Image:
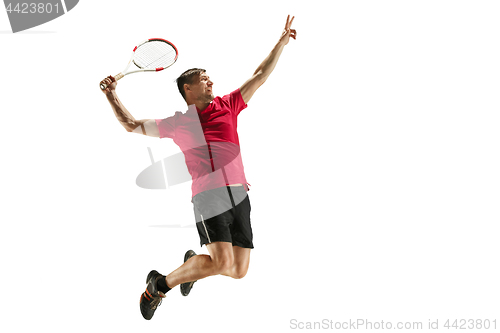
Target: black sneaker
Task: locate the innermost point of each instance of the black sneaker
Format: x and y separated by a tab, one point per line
186	287
152	297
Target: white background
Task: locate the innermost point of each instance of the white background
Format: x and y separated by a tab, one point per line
372	150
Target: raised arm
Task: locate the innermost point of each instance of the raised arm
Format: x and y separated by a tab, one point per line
145	126
267	66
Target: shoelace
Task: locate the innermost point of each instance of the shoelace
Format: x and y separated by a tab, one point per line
155	300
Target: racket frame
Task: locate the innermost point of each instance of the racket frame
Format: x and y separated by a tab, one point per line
124	72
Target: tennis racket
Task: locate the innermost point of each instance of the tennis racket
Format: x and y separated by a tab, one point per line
152	55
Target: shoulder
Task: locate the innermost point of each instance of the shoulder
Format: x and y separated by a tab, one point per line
232	95
232	98
170	118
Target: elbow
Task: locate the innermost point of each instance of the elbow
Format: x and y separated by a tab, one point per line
129	126
260	77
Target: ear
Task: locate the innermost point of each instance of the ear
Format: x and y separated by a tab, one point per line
186	87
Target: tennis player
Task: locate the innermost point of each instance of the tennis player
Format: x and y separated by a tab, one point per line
207	135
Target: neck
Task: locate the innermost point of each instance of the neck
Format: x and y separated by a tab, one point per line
200	104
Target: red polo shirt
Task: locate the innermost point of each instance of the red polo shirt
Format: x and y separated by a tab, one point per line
209	141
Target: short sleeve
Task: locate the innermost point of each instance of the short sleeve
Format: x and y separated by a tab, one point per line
166	127
236	102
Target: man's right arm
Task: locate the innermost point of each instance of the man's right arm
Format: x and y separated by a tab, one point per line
144	126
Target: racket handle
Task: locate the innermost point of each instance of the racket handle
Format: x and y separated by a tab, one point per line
117	77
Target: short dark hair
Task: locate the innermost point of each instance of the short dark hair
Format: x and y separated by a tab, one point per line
188	77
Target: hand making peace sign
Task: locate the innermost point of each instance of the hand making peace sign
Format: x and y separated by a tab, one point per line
288	32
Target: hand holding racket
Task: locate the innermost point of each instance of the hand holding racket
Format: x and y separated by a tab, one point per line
108	83
152	55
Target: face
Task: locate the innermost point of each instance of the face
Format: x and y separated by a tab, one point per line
203	88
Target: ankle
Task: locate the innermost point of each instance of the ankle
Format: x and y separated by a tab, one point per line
162	285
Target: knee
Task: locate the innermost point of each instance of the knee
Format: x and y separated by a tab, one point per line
223	264
240	272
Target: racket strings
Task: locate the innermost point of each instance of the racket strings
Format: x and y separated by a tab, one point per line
154	54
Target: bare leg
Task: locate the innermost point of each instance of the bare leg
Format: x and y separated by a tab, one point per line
220	260
240	263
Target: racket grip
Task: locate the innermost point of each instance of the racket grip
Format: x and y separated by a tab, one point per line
117	77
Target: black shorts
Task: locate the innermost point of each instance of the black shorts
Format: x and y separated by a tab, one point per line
223	215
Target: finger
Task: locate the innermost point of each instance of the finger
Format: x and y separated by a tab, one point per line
286	24
290	24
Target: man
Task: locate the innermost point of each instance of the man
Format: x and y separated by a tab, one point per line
207	135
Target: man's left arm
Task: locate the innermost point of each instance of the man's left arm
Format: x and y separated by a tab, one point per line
267	66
